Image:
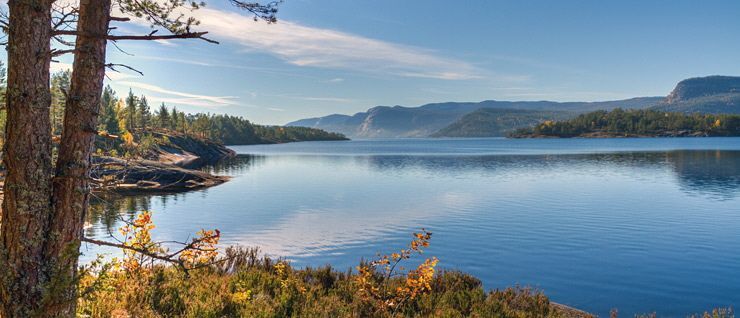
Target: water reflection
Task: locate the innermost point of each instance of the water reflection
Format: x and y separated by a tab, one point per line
714	174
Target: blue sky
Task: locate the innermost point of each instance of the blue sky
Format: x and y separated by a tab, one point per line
340	56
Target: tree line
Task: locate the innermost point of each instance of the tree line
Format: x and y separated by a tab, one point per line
638	123
133	114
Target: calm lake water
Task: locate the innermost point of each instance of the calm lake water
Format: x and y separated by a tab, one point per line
639	224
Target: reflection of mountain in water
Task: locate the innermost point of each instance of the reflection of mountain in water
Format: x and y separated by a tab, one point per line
715	173
712	173
704	172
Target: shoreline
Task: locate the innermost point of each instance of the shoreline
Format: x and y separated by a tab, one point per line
611	135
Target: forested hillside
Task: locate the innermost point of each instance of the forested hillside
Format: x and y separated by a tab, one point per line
492	122
636	123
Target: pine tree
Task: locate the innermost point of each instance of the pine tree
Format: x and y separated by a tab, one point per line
163	117
59	89
108	113
131	106
143	115
174	119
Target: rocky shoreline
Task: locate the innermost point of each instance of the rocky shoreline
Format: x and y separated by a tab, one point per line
140	176
171	166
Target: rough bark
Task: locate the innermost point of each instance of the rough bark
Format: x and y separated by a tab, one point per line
27	158
71	182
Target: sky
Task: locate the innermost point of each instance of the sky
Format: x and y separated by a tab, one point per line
340	56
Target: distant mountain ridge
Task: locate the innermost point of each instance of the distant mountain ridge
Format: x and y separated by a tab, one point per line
706	95
425	120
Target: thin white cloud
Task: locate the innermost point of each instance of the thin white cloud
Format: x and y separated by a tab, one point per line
309	46
326	99
224	65
336	80
182	97
312	98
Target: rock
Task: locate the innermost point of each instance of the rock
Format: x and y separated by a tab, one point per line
120	175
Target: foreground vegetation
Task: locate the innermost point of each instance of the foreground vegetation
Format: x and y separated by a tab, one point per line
195	281
241	283
251	286
636	123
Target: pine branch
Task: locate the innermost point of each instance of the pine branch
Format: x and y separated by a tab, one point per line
148	37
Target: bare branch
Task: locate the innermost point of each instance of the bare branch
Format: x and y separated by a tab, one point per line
149	37
120	49
120	19
56	52
131	248
113	66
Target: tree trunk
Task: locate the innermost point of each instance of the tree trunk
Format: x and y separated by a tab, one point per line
27	203
71	186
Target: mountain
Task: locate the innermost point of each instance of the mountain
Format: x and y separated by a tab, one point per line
422	121
492	122
709	95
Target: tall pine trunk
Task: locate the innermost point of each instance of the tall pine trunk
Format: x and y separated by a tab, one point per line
43	217
27	201
71	182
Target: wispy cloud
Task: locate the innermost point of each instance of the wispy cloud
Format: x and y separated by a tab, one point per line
313	98
224	65
336	80
326	99
182	97
317	47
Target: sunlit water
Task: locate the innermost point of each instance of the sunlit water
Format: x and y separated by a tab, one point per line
638	224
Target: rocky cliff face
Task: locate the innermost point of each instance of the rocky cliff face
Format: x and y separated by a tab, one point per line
707	95
699	87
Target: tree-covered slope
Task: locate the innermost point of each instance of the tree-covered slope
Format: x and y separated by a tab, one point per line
636	123
492	122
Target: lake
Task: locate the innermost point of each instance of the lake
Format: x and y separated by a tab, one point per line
638	224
